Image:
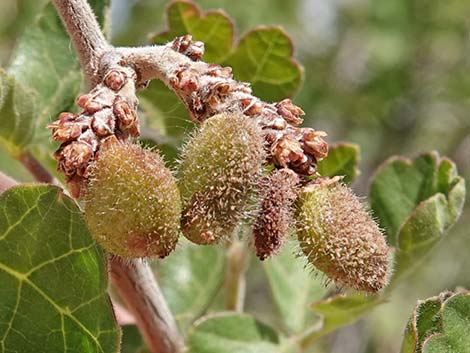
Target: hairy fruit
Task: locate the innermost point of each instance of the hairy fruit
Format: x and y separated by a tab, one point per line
132	204
219	168
340	238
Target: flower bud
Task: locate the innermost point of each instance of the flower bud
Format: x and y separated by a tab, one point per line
132	204
340	238
220	166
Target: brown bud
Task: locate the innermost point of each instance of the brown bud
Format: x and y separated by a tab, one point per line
188	47
251	106
102	122
115	79
278	192
63	132
290	112
127	119
314	144
75	157
286	151
82	100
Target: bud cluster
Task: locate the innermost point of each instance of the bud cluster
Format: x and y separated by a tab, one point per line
209	89
107	110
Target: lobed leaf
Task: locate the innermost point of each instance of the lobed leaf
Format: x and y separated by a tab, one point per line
263	57
417	203
214	28
342	159
439	325
190	278
54	279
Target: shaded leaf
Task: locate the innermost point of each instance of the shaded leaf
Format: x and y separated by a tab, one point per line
45	62
264	58
190	278
342	160
439	325
17	113
132	341
341	310
54	279
214	28
454	336
293	287
416	202
232	333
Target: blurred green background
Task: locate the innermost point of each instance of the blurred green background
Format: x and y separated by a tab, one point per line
391	76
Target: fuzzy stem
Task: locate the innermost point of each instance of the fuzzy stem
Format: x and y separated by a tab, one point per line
36	169
6	182
137	286
235	283
84	30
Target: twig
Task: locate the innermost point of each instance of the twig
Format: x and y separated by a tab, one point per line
136	285
6	182
37	170
235	283
84	30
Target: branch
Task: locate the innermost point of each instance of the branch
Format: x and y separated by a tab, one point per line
6	182
136	285
84	30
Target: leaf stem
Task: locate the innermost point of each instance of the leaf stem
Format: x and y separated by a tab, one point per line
137	286
235	282
37	170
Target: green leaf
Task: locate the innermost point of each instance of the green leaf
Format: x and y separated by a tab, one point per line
214	28
232	333
54	279
341	310
342	160
44	61
264	58
454	336
417	203
132	341
292	287
439	325
190	278
17	112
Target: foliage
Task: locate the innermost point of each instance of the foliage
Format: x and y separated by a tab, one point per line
394	99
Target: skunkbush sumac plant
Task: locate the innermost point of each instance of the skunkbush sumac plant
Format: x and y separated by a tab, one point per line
246	181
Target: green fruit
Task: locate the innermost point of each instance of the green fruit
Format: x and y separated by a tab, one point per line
220	166
132	204
340	238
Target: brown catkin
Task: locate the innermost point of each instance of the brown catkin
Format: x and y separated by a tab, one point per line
132	203
340	238
278	192
220	166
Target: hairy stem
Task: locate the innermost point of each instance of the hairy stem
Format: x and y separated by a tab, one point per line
6	182
84	30
36	169
235	283
137	286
